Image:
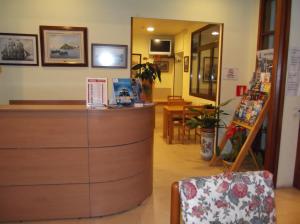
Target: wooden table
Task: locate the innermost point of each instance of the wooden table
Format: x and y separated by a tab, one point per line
169	113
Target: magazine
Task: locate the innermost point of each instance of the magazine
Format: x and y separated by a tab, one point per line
126	91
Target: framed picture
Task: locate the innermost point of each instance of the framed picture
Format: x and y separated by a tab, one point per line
18	49
135	59
210	71
186	63
163	65
64	46
109	55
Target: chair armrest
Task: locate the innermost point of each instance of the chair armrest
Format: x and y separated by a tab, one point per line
175	204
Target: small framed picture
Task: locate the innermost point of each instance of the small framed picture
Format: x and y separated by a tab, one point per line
162	65
18	49
109	56
64	46
186	63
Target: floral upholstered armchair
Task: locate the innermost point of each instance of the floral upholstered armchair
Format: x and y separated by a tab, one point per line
245	197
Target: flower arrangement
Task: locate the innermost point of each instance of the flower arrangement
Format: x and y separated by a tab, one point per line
237	136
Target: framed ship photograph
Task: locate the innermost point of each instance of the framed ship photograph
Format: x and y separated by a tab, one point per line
64	46
18	49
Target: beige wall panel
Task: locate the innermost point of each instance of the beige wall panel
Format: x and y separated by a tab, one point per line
43	166
113	163
44	202
116	196
107	128
43	129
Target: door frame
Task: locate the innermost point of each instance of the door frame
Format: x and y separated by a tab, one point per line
281	44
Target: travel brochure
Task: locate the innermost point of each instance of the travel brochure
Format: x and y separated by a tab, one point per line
96	95
252	102
250	106
126	92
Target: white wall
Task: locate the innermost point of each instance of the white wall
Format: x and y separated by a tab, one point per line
290	122
109	22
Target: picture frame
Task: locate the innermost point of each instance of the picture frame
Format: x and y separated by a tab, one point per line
207	67
19	49
109	56
186	64
162	65
64	46
135	59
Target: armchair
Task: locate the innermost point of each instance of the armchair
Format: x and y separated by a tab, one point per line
245	197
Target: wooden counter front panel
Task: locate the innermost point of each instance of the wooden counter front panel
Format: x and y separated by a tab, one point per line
38	128
116	196
119	162
44	202
108	128
43	166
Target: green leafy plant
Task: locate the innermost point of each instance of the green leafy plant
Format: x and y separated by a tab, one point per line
237	136
148	71
209	118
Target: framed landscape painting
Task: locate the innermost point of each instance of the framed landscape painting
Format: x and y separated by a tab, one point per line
64	46
162	65
18	49
109	55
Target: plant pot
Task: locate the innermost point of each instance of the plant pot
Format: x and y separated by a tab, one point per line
146	95
207	143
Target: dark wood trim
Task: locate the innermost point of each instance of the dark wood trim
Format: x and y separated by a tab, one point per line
66	29
297	165
281	43
175	204
47	102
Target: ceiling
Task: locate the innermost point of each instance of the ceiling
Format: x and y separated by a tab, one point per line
162	26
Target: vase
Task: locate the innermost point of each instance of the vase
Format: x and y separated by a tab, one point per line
207	143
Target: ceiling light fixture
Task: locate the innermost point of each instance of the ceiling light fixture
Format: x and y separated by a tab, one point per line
150	29
215	33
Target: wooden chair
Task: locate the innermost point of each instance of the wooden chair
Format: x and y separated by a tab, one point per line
175	102
174	97
188	114
191	201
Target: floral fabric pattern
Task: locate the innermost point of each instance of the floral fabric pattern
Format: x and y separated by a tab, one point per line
243	198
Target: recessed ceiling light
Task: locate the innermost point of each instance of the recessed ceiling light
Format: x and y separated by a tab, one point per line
215	33
150	29
156	40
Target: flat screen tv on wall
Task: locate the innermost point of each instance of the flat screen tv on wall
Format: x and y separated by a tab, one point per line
160	46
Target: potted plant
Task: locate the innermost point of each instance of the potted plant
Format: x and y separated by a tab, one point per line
208	120
147	73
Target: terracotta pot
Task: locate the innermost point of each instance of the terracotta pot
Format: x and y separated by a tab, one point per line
147	91
207	143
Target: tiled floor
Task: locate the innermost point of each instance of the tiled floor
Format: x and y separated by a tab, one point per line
173	162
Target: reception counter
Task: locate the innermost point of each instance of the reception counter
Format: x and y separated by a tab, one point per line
61	161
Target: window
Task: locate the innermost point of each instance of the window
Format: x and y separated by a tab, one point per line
204	62
268	24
